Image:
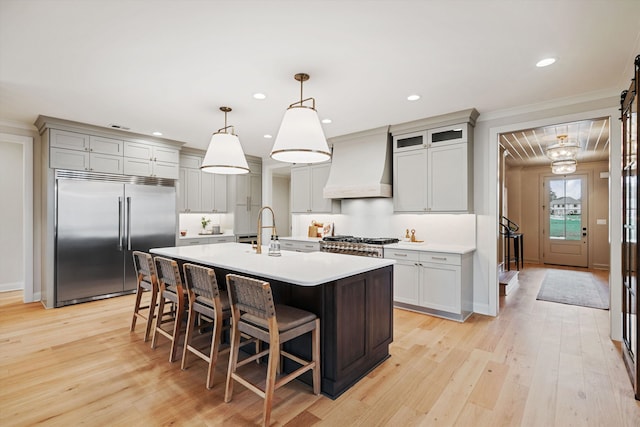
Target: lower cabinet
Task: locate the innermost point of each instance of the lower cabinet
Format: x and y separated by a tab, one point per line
435	283
299	245
206	240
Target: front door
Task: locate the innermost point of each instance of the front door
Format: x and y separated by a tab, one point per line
565	220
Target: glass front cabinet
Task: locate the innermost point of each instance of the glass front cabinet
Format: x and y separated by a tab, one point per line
630	297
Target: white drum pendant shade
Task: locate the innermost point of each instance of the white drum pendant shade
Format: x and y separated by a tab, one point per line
300	138
225	155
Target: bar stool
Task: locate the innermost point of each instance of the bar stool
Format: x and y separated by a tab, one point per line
170	289
147	281
254	313
207	300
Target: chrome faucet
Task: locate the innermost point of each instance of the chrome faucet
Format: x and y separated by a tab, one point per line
258	246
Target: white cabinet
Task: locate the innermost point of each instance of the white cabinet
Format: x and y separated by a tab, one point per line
202	240
433	170
146	159
248	199
213	192
76	151
295	245
200	191
432	282
307	184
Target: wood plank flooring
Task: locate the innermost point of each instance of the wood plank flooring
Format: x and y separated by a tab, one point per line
538	364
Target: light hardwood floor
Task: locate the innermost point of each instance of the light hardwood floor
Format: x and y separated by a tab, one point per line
537	364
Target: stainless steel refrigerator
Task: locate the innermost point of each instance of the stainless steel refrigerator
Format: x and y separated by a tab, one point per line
100	220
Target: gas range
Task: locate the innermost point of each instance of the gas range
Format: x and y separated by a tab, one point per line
350	245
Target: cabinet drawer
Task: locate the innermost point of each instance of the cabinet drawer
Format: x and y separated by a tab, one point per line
402	255
61	158
448	134
440	258
99	144
409	141
224	239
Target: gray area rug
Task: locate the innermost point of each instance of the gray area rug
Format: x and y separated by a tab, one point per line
575	288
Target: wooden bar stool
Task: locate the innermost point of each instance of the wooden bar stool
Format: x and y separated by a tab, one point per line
254	313
147	282
170	289
207	300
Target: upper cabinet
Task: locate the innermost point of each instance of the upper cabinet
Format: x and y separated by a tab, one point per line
248	198
200	191
307	184
77	146
433	166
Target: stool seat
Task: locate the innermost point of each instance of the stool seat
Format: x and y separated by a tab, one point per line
287	317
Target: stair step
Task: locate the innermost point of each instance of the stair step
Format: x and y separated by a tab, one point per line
508	282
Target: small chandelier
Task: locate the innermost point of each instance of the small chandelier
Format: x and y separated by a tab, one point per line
224	155
563	167
300	138
563	149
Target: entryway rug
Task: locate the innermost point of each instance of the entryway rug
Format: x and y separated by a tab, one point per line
575	288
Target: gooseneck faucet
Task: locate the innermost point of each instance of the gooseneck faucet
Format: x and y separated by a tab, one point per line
260	227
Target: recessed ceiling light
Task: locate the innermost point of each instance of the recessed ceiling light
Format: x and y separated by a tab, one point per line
413	97
545	62
156	133
259	95
267	136
326	121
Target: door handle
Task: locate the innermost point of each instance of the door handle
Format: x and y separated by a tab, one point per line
120	224
128	223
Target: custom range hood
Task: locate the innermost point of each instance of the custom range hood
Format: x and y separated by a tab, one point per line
360	165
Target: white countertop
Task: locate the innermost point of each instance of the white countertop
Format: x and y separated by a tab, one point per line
299	268
200	236
431	247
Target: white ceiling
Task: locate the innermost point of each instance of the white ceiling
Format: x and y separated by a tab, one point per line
169	65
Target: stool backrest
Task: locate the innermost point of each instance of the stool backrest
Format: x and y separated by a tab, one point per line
201	281
251	296
168	273
143	264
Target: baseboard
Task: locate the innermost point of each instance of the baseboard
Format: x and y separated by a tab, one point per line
15	286
601	266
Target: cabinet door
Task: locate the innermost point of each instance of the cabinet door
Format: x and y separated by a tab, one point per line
138	150
319	177
106	163
182	191
440	287
447	135
69	140
410	181
192	190
166	154
213	192
300	190
406	282
99	144
138	167
61	158
447	178
166	169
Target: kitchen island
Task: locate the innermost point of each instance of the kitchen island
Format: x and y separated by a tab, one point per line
352	296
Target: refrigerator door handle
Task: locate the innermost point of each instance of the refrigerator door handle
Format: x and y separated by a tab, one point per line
120	224
129	223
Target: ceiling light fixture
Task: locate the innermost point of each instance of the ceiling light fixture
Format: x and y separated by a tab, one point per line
156	133
563	167
300	138
413	97
267	136
563	149
326	121
224	155
545	62
259	95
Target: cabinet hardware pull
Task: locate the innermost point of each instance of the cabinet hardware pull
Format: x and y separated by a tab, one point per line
400	254
441	258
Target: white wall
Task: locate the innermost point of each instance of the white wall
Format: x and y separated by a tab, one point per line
11	216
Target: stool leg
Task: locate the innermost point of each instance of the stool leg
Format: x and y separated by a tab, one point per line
215	345
274	359
233	357
176	329
315	349
136	307
191	320
158	320
152	311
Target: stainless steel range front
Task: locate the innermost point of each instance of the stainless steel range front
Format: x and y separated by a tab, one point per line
361	246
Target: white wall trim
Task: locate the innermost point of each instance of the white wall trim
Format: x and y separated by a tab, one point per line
614	202
27	206
15	286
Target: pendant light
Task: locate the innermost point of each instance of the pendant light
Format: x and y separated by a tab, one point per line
563	149
563	167
224	155
300	138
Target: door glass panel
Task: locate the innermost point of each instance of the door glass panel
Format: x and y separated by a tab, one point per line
565	213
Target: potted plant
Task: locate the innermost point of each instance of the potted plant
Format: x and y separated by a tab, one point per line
204	221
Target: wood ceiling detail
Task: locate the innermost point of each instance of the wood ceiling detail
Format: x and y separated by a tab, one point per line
526	147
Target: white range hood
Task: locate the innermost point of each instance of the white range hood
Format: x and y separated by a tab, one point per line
360	165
